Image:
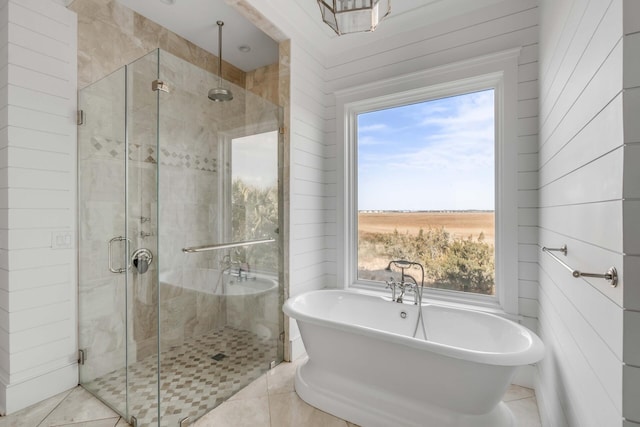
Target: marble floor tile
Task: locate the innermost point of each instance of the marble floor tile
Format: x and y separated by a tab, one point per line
249	412
525	411
288	410
34	414
515	392
280	378
79	406
258	388
108	422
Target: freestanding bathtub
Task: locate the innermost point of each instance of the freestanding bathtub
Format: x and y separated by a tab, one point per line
365	366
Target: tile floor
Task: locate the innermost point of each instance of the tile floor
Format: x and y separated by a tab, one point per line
269	401
192	381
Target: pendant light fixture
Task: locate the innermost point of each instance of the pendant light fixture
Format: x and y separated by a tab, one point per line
353	16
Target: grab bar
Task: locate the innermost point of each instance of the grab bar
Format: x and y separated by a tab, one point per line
611	275
215	247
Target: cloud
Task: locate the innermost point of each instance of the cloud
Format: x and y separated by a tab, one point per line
369	140
442	157
255	159
376	127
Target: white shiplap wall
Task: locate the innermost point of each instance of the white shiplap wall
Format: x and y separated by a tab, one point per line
631	212
311	184
316	76
37	199
506	25
586	198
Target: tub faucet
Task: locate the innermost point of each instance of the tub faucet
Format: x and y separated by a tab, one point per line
403	285
242	271
230	266
407	287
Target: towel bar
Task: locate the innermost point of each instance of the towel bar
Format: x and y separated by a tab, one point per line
611	274
214	247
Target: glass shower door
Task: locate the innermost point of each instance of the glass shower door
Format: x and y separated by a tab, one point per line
102	264
117	204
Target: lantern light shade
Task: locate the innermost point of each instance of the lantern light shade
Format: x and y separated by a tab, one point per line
353	16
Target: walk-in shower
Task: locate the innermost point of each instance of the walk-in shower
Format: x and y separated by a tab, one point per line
167	333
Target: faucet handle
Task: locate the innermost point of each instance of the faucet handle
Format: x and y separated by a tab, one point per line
415	289
392	284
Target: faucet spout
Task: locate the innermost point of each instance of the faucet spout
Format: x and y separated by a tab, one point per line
391	284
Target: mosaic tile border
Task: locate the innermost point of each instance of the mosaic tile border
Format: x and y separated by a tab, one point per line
147	153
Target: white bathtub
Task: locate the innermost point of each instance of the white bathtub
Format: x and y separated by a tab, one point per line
211	281
364	365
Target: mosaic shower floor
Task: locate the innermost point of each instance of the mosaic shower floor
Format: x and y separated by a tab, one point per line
194	377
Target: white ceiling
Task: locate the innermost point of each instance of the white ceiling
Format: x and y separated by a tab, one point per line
195	20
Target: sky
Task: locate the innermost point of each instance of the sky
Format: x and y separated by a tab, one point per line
434	155
255	159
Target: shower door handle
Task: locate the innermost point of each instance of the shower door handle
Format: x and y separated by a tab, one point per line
127	243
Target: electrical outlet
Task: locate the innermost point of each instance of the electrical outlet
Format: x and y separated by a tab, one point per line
61	240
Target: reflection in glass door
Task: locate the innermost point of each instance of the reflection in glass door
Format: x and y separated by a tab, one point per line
254	198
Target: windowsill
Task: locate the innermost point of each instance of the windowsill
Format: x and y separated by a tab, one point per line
448	299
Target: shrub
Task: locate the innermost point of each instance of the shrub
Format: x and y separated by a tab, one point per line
457	264
254	215
469	266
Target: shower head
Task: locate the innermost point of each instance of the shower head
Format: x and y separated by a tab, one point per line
220	94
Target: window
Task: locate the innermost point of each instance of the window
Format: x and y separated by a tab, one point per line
426	184
254	197
428	149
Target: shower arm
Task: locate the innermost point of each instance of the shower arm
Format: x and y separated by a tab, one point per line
220	24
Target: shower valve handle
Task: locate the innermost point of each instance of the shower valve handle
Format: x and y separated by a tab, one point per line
141	259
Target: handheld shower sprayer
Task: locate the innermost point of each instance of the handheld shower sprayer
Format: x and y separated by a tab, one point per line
403	265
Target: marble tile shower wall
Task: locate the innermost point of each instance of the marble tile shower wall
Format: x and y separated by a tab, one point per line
111	35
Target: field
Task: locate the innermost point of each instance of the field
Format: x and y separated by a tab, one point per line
453	255
460	225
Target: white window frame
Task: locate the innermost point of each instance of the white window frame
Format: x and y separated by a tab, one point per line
496	71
